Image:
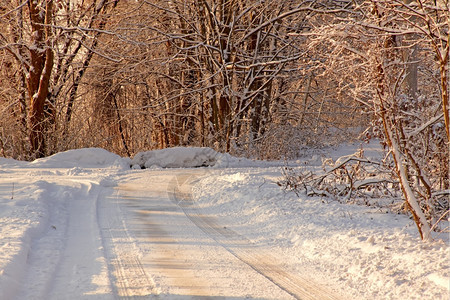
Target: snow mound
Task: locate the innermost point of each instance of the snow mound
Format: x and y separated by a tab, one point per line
9	162
176	157
83	158
193	157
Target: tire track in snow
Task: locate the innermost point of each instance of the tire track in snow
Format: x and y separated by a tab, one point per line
128	277
80	267
243	249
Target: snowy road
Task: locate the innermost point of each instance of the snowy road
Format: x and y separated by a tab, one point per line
159	243
83	225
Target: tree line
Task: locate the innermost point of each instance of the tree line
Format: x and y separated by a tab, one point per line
132	75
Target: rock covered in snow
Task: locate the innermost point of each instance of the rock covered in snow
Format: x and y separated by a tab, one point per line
176	157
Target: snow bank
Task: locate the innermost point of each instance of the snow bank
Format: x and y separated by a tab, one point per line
34	201
9	162
22	218
190	157
177	157
82	158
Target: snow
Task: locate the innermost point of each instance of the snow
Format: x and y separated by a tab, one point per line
369	253
82	158
177	157
191	157
47	206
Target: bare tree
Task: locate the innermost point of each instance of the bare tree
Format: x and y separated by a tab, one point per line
35	58
366	58
51	45
225	74
231	74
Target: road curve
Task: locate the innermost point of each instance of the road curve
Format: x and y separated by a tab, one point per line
160	245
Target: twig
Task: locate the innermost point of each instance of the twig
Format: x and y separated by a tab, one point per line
439	220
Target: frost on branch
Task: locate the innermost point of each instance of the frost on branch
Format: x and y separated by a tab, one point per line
349	179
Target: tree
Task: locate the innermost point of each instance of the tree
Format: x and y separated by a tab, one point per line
231	74
372	43
35	60
51	45
231	56
213	72
224	74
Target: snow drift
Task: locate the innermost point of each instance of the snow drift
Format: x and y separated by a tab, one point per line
177	157
190	157
81	158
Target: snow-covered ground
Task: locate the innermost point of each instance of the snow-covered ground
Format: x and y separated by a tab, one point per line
60	218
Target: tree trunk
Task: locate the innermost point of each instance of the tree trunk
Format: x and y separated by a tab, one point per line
38	80
445	91
390	125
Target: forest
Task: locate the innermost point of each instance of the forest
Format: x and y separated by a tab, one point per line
261	79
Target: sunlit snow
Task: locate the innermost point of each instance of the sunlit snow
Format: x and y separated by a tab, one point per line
45	205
